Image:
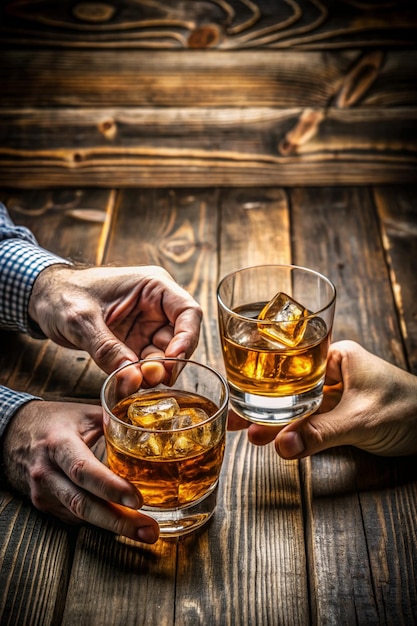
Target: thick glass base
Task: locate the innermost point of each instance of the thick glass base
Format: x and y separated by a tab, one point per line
275	411
187	519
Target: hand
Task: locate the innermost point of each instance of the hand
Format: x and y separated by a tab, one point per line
47	456
116	314
368	403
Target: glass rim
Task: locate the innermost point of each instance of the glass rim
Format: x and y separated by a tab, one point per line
275	265
211	418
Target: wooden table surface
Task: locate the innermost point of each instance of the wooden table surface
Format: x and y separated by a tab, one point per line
205	136
328	540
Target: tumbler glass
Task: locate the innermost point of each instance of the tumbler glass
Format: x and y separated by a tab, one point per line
166	435
275	325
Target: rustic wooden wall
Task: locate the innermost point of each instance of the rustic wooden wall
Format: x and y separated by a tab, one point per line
213	92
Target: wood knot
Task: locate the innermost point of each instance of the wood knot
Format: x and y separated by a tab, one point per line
93	12
108	128
304	130
204	37
181	246
360	79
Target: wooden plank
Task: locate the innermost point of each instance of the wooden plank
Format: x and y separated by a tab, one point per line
256	78
236	62
254	228
201	147
252	555
35	563
66	222
398	218
263	491
388	496
354	500
121	583
229	24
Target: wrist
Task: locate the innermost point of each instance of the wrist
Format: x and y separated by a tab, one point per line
47	281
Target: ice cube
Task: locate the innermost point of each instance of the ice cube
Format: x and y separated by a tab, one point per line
183	445
180	445
298	367
196	416
193	440
316	330
203	435
288	317
157	415
246	334
149	445
193	415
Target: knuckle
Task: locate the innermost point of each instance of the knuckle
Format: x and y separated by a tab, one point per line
76	471
38	475
39	501
121	526
105	348
77	504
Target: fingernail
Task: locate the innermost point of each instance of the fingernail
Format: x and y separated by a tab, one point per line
131	501
291	444
148	534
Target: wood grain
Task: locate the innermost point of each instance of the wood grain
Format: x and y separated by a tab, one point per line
398	219
345	244
210	24
207	93
35	564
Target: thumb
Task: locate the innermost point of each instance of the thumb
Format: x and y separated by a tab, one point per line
315	433
107	350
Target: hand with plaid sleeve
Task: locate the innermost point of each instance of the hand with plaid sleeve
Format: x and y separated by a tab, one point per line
115	314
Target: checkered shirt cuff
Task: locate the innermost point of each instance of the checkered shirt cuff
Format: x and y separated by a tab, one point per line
20	264
10	402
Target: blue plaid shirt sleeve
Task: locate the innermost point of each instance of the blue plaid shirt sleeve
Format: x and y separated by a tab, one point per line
10	402
21	261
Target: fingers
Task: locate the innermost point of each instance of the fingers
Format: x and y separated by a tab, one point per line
186	332
261	435
61	497
46	455
105	348
313	434
81	466
380	419
110	353
89	491
153	372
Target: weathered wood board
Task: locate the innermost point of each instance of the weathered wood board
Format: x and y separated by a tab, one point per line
207	93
